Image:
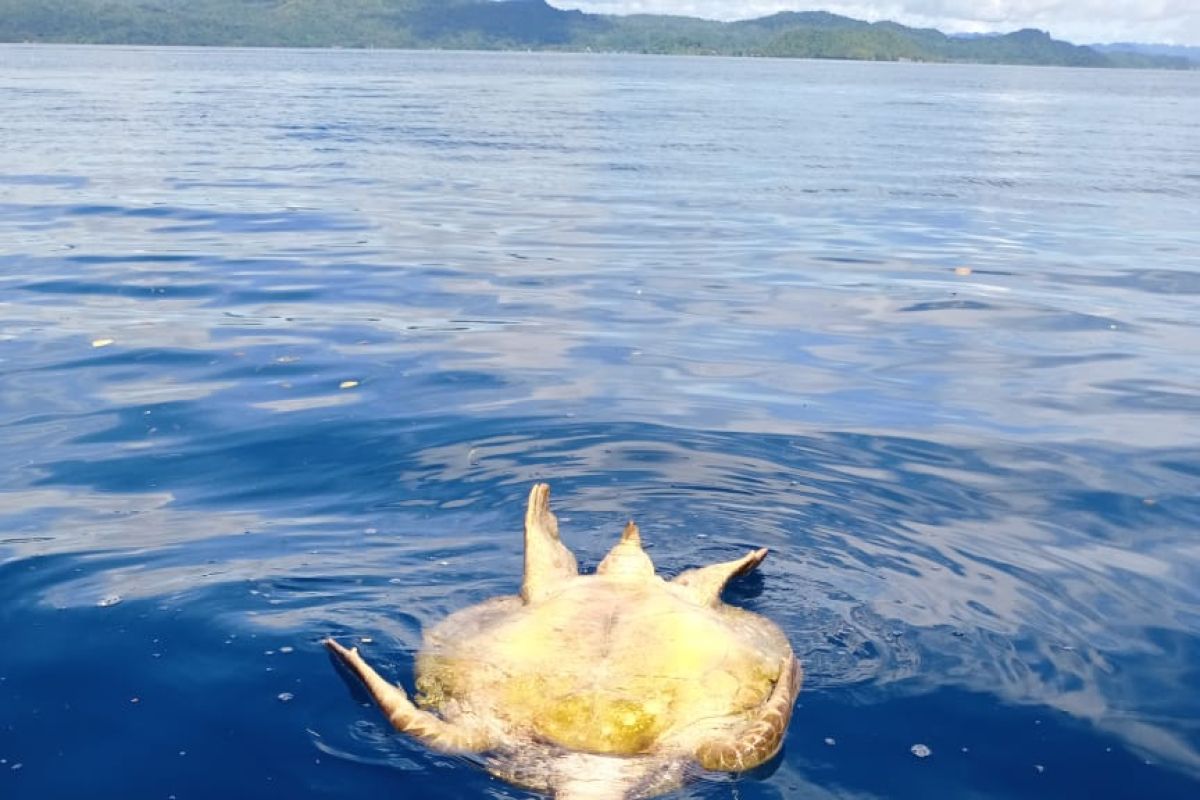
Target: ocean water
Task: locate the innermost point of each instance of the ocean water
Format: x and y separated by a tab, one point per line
285	337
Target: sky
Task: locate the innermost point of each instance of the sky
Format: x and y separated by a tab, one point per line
1080	21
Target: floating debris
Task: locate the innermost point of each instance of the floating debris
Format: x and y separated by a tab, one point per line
103	342
829	740
962	271
347	384
1039	768
921	751
284	697
110	600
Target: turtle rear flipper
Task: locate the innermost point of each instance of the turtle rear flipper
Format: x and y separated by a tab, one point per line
705	584
749	745
547	559
431	730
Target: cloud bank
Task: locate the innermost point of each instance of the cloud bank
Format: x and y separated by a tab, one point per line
1081	21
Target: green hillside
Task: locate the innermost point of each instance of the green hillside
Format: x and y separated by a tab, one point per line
522	24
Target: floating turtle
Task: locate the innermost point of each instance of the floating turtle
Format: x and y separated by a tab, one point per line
613	685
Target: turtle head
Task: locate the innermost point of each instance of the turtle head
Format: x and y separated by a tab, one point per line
627	560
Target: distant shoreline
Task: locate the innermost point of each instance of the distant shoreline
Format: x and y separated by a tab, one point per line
561	52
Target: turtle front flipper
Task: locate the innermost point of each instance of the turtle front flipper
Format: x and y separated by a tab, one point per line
430	730
547	559
746	746
704	585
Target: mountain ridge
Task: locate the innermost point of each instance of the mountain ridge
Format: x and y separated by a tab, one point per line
531	24
1189	52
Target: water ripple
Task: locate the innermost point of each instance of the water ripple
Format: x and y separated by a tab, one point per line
942	366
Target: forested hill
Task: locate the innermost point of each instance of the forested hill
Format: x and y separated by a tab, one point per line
522	24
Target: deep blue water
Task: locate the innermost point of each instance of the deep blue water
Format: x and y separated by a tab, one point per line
930	333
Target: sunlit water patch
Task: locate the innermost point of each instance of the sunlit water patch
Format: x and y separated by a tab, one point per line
286	336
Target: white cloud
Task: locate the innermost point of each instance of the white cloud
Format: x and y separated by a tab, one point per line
1165	21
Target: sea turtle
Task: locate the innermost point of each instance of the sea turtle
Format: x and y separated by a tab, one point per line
613	685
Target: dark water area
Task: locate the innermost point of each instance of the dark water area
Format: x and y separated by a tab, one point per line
285	337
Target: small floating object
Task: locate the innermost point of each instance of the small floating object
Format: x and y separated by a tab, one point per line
347	384
921	751
829	740
284	697
962	271
110	600
102	342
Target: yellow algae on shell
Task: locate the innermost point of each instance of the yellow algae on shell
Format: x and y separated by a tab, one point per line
597	724
599	668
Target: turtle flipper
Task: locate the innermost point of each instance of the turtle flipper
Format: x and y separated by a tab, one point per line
706	583
547	559
747	746
430	730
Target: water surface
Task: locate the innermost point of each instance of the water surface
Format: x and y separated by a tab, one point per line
286	336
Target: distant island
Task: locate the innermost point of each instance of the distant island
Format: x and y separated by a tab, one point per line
533	25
